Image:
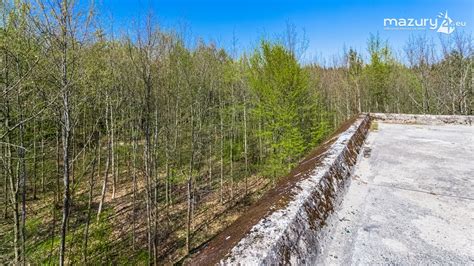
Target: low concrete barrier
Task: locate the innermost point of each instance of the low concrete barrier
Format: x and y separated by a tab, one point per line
290	223
287	226
424	119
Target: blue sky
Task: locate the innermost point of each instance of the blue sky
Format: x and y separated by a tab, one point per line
329	25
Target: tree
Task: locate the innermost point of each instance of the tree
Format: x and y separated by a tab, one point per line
377	74
280	87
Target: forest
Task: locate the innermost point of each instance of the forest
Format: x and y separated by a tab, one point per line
138	147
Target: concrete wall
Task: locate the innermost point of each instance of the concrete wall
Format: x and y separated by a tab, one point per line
295	233
290	225
424	119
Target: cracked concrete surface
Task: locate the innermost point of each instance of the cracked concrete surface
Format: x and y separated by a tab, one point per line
411	199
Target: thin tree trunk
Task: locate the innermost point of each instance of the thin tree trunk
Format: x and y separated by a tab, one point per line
231	146
58	166
35	164
22	180
260	142
189	188
89	209
14	187
7	168
99	155
167	166
16	216
167	150
222	149
42	164
66	162
245	146
112	147
155	189
148	166
107	163
176	151
359	105
210	165
73	155
148	207
66	128
6	176
53	229
134	176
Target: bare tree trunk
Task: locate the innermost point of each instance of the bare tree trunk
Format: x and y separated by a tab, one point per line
66	128
112	147
260	142
245	146
232	146
58	166
188	215
66	162
155	189
148	207
89	208
42	164
7	154
72	163
14	184
99	155
167	166
6	172
35	164
107	163
176	151
189	188
134	178
22	180
222	149
53	229
359	105
210	166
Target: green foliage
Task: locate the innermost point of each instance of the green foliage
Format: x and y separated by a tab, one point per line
186	106
283	104
320	132
377	73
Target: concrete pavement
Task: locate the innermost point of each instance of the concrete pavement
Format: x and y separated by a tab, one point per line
411	199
